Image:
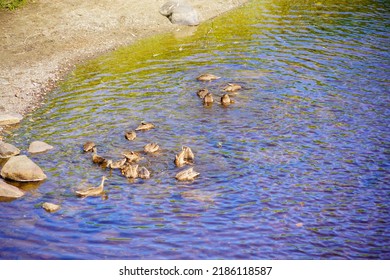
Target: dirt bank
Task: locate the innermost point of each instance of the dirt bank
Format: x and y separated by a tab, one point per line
43	40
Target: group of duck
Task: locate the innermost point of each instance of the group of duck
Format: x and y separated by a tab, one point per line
207	96
129	166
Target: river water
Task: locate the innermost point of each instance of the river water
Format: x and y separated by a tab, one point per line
296	168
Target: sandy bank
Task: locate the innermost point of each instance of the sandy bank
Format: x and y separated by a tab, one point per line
44	39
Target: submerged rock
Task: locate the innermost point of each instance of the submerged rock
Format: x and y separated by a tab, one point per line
7	190
50	207
180	12
22	169
10	118
8	150
39	147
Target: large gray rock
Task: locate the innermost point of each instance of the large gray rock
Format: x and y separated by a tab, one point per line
180	12
10	118
39	147
7	190
22	169
8	150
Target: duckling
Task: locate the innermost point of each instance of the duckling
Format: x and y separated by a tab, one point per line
88	146
187	175
188	154
208	99
92	191
207	77
145	126
143	173
202	92
151	148
130	171
130	135
232	87
116	164
131	156
225	100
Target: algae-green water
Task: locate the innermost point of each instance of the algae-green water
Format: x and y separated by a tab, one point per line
296	168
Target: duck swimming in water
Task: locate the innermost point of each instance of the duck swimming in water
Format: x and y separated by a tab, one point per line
130	135
131	156
92	191
207	77
145	126
130	171
151	148
98	159
88	146
202	92
187	175
232	87
225	100
208	99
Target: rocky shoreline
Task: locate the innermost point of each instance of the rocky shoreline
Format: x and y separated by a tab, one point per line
62	34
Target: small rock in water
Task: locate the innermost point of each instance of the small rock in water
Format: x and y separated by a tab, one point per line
22	169
8	150
39	147
7	190
10	118
50	207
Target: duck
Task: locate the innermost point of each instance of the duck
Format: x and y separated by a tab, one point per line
129	170
98	159
151	148
143	173
131	156
116	164
145	126
92	191
187	175
232	87
88	146
130	135
202	92
225	100
188	154
208	99
207	77
180	159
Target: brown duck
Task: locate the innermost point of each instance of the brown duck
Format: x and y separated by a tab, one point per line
202	92
151	148
130	135
131	156
130	171
145	126
208	99
92	191
225	100
232	87
88	146
187	175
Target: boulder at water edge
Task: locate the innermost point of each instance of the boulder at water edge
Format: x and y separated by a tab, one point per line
22	169
39	147
8	150
180	12
10	118
50	207
7	190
